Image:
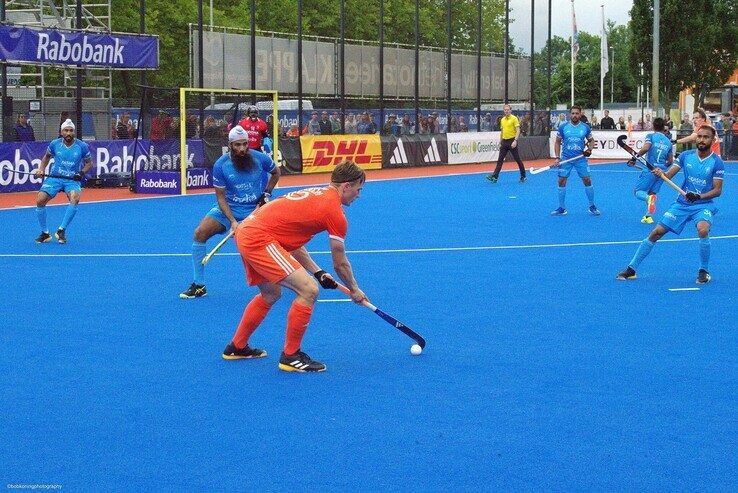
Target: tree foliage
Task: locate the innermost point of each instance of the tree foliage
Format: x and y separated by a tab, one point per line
698	43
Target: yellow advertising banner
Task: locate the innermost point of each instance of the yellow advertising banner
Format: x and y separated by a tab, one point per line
321	153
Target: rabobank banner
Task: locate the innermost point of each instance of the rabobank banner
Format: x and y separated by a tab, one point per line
168	182
59	47
480	147
108	156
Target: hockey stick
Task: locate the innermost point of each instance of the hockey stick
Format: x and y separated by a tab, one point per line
621	142
217	247
389	319
535	171
42	176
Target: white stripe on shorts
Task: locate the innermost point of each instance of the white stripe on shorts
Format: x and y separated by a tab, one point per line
279	259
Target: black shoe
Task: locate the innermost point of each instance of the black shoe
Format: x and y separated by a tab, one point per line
44	237
492	178
232	352
299	362
61	236
194	291
523	179
703	277
626	275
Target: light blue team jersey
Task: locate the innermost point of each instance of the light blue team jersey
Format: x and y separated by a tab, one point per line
68	160
660	149
573	139
242	188
699	173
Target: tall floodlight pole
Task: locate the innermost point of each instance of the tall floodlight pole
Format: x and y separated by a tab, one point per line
548	82
78	25
655	68
612	75
507	47
532	64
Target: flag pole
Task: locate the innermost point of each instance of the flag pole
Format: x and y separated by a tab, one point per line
573	34
602	65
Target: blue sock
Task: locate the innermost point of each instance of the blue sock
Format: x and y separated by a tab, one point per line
198	253
562	197
704	252
41	215
68	216
643	250
590	191
641	195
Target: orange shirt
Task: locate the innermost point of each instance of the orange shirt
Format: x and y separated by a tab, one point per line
293	219
715	147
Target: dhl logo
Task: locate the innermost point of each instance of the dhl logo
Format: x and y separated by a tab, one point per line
330	153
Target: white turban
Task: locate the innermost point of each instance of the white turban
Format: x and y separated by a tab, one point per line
237	133
68	123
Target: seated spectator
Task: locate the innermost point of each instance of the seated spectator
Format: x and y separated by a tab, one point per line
23	130
621	124
406	126
486	125
313	126
434	126
121	130
350	125
423	128
294	131
211	131
191	127
463	127
453	125
388	127
113	129
594	123
336	123
365	125
326	128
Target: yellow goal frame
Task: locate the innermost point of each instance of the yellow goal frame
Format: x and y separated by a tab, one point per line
184	91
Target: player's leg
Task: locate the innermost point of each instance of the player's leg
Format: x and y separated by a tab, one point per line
644	190
252	317
521	166
504	147
582	168
642	252
703	222
564	172
73	191
212	224
42	198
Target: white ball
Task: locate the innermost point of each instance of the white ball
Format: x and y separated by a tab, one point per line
415	350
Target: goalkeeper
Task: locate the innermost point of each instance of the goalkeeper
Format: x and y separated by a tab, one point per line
238	178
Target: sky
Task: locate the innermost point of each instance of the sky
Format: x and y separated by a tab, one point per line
588	12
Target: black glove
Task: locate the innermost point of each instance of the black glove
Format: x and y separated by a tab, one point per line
325	280
587	152
78	176
692	197
264	198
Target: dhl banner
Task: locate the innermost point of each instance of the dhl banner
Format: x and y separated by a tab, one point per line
321	153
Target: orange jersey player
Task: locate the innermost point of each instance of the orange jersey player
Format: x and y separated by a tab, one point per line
271	243
255	127
699	118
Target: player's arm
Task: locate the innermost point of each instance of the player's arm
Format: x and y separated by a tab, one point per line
590	145
689	139
517	135
715	191
342	266
557	148
644	150
43	164
225	208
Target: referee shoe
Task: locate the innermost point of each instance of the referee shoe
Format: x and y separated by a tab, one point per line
232	352
194	291
299	362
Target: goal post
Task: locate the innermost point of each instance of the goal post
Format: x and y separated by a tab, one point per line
226	101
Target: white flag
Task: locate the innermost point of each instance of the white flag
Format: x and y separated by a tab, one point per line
604	61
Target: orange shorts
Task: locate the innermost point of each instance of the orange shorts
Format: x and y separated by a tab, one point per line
263	257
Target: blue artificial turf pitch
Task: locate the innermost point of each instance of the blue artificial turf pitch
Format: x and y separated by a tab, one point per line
542	372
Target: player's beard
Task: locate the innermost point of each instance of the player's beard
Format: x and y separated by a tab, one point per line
68	139
242	162
702	147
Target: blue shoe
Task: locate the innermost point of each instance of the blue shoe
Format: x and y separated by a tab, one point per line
559	212
594	210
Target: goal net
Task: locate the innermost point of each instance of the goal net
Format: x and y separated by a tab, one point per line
184	131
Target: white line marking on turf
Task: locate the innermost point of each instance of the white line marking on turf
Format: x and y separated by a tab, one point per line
342	300
397	250
512	197
684	289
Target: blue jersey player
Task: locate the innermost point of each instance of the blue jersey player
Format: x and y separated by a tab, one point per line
72	159
238	178
703	181
574	141
658	151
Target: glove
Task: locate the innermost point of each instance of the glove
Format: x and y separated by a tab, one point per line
78	176
631	162
692	197
587	152
325	280
263	199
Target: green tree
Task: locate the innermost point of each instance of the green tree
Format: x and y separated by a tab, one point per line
703	50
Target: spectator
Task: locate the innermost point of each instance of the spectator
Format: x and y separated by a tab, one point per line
685	129
336	123
350	124
607	123
132	131
313	126
668	123
629	125
121	130
486	125
621	124
191	127
539	127
648	124
463	127
211	131
720	129
584	119
423	125
159	125
434	127
23	130
560	121
639	126
389	125
372	125
364	126
294	131
453	125
525	125
728	133
406	126
113	130
594	123
326	128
